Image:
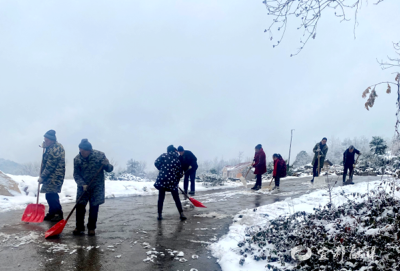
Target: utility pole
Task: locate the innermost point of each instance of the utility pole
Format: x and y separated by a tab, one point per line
290	149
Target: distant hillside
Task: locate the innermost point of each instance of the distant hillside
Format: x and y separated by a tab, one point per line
10	167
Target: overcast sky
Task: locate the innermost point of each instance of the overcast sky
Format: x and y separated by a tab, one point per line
136	76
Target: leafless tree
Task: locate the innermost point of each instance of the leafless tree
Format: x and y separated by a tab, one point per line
308	13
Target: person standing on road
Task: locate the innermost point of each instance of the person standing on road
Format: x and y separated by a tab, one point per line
320	150
52	175
170	173
86	168
348	162
189	166
260	165
279	170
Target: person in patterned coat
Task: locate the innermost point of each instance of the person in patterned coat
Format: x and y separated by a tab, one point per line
260	165
89	164
52	175
170	172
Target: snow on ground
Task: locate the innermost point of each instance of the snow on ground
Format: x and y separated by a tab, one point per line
227	247
28	186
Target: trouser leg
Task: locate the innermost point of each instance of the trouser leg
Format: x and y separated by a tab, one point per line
186	182
315	169
258	182
93	214
351	169
161	197
277	181
80	216
345	172
192	180
54	203
175	195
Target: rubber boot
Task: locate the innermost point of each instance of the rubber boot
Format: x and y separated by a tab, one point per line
48	217
183	217
58	217
91	232
78	231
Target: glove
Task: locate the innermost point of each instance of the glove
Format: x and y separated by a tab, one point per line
84	187
105	162
319	156
318	150
190	167
40	180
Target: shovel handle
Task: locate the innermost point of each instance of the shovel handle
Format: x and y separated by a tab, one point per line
186	196
73	209
40	173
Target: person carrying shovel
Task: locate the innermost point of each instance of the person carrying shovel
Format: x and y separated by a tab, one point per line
52	175
349	163
86	168
320	150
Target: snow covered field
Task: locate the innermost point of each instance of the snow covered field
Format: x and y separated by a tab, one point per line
28	188
226	249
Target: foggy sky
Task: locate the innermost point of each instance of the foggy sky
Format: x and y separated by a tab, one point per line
136	76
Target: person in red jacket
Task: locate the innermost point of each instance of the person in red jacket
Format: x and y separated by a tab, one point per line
279	169
260	165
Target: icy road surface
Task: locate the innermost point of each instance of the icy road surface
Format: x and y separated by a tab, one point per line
129	237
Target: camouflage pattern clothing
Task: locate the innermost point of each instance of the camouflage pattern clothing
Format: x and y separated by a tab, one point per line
324	151
53	168
85	170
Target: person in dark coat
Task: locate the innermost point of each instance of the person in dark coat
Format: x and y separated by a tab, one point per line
170	172
89	165
52	175
348	162
279	169
320	150
260	165
189	166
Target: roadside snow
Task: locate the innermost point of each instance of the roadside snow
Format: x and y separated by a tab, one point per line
28	186
226	249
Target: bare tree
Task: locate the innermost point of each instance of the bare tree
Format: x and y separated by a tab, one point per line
308	14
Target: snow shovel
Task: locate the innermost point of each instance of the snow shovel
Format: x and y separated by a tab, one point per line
243	179
59	227
319	178
196	203
269	187
34	213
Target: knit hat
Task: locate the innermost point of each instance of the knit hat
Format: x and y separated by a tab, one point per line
85	145
258	146
325	139
171	148
180	148
51	134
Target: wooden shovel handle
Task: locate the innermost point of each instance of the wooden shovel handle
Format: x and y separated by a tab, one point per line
40	174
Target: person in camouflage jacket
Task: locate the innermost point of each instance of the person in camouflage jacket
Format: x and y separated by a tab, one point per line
320	151
86	168
52	175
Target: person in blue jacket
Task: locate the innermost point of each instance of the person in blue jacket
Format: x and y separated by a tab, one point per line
189	166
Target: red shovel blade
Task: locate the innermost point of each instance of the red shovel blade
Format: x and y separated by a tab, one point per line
197	203
34	213
56	229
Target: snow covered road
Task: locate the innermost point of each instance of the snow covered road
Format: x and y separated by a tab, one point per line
130	238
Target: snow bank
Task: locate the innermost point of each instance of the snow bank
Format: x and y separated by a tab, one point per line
28	186
226	249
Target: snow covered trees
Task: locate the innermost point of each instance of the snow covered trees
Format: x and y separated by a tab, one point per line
378	145
136	168
302	158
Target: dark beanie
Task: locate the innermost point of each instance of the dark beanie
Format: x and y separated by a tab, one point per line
51	134
325	139
258	146
180	148
171	148
85	145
